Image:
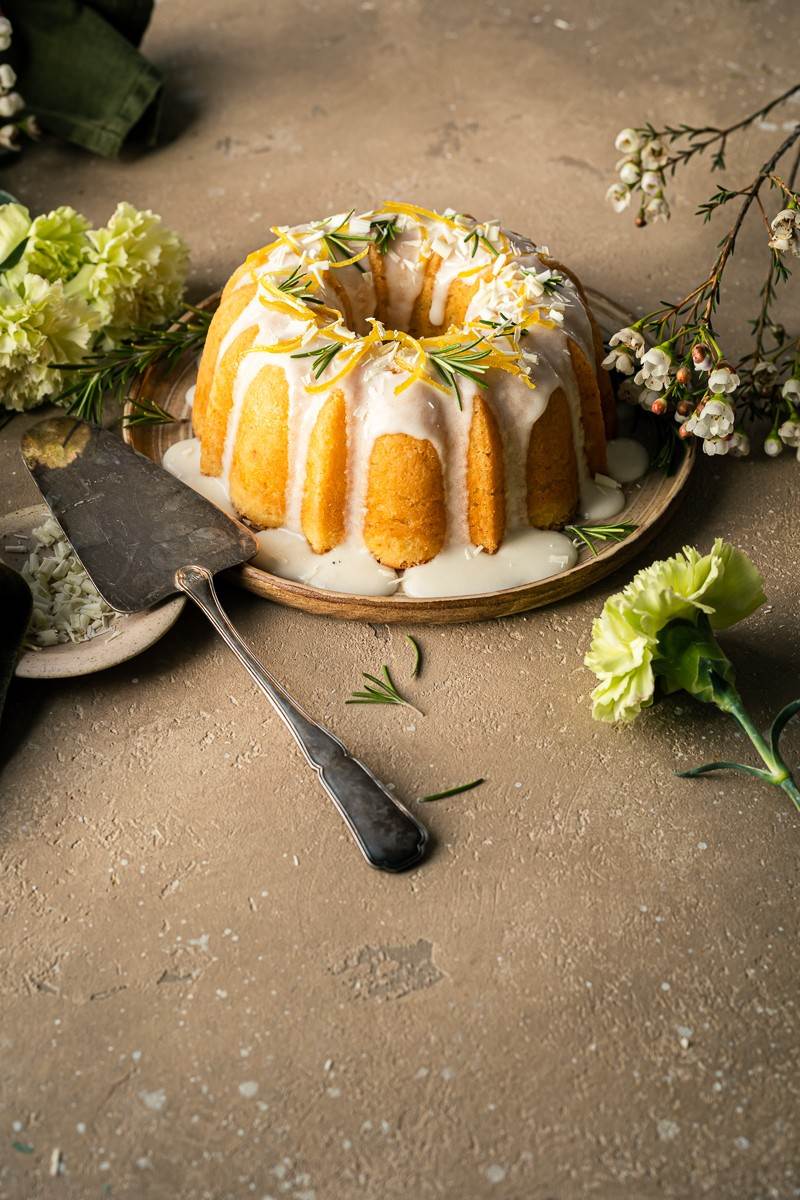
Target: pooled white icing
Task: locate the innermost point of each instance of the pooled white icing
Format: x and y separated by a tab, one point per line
512	277
525	556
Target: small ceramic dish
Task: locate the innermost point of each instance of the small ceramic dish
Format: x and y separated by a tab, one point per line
126	637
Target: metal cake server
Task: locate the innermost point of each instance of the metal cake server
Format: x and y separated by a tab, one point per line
142	535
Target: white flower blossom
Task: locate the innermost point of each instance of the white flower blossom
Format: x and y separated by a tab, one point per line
8	77
654	156
716	445
5	33
619	197
651	183
723	379
773	446
619	360
789	433
701	357
11	104
656	209
647	399
791	390
739	444
629	171
654	373
714	420
786	232
628	141
9	137
630	338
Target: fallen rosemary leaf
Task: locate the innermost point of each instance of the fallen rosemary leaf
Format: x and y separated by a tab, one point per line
22	1147
456	791
380	691
417	655
589	534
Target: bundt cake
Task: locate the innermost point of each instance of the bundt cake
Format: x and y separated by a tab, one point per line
403	383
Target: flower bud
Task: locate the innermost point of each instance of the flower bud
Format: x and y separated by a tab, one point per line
629	172
684	408
701	357
640	221
8	77
683	375
684	432
659	406
773	446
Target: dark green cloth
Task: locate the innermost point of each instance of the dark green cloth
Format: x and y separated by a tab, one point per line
79	70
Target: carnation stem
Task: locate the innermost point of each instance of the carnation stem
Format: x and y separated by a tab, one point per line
728	700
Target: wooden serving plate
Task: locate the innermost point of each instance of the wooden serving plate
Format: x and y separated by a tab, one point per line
651	502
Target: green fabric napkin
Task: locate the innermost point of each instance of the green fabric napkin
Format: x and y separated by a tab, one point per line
79	70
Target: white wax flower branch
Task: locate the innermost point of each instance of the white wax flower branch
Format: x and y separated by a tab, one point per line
12	106
685	374
657	635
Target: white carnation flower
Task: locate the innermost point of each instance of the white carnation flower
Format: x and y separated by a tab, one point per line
723	379
619	197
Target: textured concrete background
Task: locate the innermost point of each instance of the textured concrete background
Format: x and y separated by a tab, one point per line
590	988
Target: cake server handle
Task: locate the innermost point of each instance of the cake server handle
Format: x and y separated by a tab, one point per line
385	832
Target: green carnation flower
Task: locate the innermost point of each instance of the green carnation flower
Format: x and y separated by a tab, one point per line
15	221
134	274
723	585
661	629
56	247
39	325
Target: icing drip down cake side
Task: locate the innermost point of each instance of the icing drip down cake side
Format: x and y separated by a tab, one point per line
404	399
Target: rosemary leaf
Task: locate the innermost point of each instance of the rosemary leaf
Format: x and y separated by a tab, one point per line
456	791
323	356
108	374
415	670
147	412
380	691
590	534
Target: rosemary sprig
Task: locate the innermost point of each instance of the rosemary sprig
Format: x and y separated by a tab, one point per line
459	359
147	412
590	534
380	691
323	356
385	231
414	644
455	791
297	284
474	239
109	374
506	327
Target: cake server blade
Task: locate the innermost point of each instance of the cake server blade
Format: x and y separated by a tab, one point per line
130	522
142	535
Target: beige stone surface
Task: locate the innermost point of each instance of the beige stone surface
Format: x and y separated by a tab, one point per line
590	989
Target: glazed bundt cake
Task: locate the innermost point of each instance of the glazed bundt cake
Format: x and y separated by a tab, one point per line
405	380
